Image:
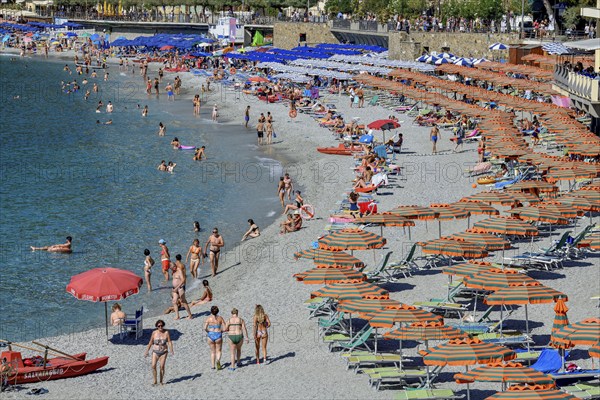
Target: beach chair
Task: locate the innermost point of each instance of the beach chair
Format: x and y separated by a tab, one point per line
527	357
443	308
357	342
426	394
394	376
319	308
378	274
133	325
506	339
374	100
333	324
583	390
404	267
357	362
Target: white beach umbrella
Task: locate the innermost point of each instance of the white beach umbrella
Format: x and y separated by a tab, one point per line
498	46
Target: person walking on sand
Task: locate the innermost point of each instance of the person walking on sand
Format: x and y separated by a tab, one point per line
288	185
247	116
148	264
236	329
178	292
261	324
434	135
252	232
161	344
215	241
165	258
57	248
281	191
195	251
213	326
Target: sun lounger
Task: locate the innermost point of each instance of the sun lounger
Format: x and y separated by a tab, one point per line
583	390
394	376
426	394
527	356
357	342
360	361
446	309
334	324
513	338
474	328
574	376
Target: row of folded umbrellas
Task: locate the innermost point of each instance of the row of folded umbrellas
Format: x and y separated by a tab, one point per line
497	126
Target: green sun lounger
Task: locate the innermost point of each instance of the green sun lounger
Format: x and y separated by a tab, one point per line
336	337
358	362
426	394
527	356
396	376
583	390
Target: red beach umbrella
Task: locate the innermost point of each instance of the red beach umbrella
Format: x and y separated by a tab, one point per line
103	285
167	47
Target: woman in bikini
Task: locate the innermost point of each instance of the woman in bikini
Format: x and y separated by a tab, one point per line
281	191
165	258
298	202
252	232
148	263
161	344
236	329
57	248
196	252
288	185
215	241
175	143
261	324
213	326
161	129
207	295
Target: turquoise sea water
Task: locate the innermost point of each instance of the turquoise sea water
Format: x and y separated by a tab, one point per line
62	174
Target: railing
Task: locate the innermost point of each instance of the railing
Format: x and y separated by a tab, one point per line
577	84
368	26
341	24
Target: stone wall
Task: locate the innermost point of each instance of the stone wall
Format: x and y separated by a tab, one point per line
403	46
286	34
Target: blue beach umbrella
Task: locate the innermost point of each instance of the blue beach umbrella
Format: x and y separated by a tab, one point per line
441	61
423	58
498	46
463	62
431	59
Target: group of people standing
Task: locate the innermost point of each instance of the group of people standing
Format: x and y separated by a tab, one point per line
215	326
263	127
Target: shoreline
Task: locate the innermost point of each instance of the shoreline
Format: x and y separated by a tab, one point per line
301	365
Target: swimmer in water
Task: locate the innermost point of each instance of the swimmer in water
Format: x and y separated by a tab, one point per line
161	129
145	111
175	143
199	154
162	166
57	248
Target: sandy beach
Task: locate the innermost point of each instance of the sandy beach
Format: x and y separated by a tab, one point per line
260	271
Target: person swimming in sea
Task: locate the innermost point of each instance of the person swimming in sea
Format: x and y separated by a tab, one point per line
57	248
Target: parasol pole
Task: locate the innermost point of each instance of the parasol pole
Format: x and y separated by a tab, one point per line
440	227
106	318
468	385
527	326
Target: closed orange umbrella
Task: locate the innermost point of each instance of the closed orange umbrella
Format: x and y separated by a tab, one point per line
560	320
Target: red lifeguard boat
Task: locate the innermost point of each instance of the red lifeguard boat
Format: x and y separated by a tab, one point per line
341	150
17	370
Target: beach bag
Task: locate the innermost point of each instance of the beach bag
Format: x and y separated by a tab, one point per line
355	99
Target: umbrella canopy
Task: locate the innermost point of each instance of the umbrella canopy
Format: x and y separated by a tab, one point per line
533	392
454	248
495	279
491	242
540	186
384	125
258	79
595	350
504	372
501	198
367	305
466	352
167	47
559	208
592	241
469	268
538	214
328	258
414	212
569	175
104	284
505	226
528	293
361	290
447	211
523	197
583	332
405	313
430	330
351	239
580	203
329	275
476	207
498	46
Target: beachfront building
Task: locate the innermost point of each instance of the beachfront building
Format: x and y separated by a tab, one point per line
583	90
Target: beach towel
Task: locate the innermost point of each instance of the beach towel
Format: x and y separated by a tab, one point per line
380	150
367	207
550	361
379	179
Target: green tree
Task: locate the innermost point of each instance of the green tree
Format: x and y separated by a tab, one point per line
336	6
